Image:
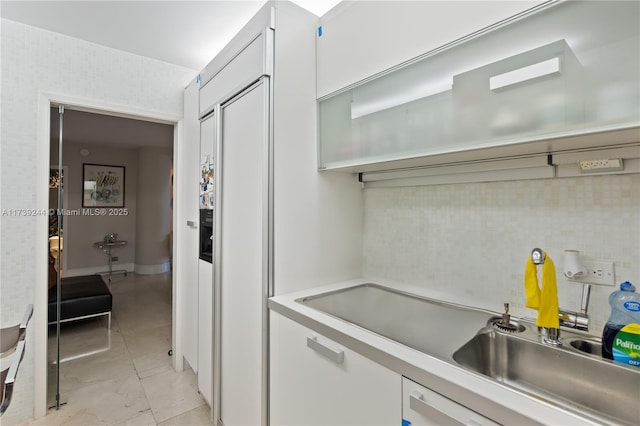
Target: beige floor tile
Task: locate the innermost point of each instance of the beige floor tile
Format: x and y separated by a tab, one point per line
149	349
138	311
145	419
103	402
165	368
200	416
115	365
124	377
84	338
171	394
66	416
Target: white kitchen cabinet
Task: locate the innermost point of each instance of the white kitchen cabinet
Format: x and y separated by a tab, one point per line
360	39
188	218
316	381
242	284
205	330
248	66
205	283
542	83
279	225
422	406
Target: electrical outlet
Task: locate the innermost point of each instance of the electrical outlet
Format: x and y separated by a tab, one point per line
604	165
599	272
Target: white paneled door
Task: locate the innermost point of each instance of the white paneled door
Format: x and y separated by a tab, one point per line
205	284
188	214
243	254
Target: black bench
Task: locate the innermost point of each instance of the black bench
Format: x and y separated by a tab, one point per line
81	297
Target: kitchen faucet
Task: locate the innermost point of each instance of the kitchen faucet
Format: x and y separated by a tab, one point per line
538	257
577	320
567	318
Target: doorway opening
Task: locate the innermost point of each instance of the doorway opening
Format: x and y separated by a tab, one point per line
87	151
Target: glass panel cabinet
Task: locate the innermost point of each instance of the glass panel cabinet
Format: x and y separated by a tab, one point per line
571	68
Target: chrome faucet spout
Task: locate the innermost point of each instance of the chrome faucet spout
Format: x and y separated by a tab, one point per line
537	256
576	320
586	295
552	337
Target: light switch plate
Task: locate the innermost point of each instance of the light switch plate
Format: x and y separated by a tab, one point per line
599	272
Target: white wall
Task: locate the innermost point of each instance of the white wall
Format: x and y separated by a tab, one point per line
35	61
470	242
153	213
146	222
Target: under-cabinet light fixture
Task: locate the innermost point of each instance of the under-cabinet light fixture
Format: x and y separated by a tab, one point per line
540	69
360	109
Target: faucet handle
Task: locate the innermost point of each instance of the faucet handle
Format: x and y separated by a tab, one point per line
506	318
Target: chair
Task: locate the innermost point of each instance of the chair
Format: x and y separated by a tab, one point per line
12	344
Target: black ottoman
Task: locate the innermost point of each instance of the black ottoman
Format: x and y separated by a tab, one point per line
81	297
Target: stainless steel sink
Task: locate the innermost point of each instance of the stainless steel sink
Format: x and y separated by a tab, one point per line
559	374
431	326
588	346
572	376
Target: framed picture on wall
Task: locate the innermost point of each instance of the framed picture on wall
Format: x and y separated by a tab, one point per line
102	185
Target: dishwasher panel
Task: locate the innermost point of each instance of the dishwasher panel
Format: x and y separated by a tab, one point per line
423	407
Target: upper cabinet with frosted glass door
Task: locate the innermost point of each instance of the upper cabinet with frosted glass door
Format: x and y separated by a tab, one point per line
563	77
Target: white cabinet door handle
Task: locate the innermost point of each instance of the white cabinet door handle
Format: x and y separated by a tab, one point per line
418	404
192	224
334	355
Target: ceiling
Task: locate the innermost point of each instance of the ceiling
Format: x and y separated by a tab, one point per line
96	129
185	33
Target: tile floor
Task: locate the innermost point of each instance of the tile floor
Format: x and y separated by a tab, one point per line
127	378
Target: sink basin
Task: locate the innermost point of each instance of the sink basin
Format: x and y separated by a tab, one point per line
431	326
558	374
588	346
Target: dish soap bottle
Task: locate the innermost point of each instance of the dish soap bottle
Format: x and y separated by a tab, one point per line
621	335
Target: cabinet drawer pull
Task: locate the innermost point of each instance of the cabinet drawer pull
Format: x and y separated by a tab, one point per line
418	404
334	355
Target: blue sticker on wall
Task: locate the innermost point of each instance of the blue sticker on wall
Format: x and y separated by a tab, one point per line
320	31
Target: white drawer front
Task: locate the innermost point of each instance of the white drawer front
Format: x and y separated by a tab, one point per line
422	406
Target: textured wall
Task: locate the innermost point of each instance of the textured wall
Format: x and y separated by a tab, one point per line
471	241
34	60
80	232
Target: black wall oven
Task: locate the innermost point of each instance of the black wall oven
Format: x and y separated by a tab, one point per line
206	235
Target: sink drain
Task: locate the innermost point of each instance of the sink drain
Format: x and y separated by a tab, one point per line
509	327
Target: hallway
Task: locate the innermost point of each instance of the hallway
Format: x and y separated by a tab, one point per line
127	379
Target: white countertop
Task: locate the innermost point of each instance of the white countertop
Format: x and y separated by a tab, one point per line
412	363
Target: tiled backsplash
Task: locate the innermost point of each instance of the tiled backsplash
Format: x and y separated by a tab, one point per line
471	241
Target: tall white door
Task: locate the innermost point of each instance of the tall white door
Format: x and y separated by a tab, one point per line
205	284
188	216
243	273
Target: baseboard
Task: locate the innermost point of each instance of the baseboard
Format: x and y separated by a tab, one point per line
129	267
153	269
